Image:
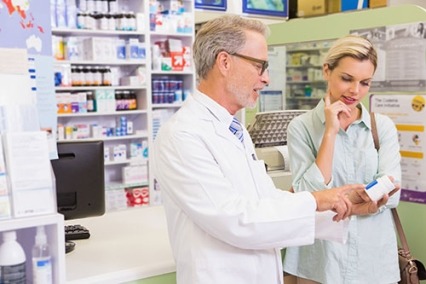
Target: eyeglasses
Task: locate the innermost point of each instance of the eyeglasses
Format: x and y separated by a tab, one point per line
264	63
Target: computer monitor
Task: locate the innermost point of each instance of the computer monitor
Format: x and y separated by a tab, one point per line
79	175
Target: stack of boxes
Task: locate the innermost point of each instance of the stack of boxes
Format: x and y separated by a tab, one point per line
309	8
171	55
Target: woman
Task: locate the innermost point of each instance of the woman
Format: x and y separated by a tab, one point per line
332	145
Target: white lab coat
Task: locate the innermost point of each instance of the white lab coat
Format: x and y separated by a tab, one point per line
227	222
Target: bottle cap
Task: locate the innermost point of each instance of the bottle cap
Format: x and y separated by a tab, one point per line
40	238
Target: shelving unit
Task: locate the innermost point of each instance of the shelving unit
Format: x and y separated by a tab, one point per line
26	230
180	77
159	34
304	82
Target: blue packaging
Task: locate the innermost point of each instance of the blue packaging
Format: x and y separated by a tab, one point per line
347	5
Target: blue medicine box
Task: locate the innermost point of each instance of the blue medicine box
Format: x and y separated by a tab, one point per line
347	5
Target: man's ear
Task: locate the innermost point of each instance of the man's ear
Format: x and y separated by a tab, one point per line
223	62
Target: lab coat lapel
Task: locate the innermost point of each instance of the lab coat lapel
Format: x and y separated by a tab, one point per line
227	134
220	130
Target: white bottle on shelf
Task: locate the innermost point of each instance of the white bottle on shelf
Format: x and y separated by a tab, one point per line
12	260
41	259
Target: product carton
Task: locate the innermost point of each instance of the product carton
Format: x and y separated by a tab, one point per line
137	196
306	8
135	174
377	3
348	5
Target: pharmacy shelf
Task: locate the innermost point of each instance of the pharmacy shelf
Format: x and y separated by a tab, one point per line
158	72
108	138
119	185
81	32
126	161
102	62
151	34
91	88
113	113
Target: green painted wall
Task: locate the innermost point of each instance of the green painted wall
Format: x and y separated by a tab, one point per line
413	215
169	278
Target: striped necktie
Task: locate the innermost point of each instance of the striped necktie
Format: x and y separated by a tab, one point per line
237	129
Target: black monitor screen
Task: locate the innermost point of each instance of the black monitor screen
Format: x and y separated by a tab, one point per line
79	175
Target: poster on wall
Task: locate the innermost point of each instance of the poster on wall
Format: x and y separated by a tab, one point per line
408	112
215	5
24	25
401	51
268	8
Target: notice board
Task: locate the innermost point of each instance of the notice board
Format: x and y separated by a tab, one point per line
409	115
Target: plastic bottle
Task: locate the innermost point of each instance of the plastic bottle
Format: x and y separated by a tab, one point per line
107	77
41	259
308	91
12	260
379	187
91	103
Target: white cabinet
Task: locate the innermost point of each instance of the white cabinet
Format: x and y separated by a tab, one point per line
26	230
155	79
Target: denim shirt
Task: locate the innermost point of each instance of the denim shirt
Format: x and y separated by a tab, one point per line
370	254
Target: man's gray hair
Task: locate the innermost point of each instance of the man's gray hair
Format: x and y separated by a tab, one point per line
226	33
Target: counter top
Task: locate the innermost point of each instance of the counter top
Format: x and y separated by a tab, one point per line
123	246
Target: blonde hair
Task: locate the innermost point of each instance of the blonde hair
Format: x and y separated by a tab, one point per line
353	46
226	33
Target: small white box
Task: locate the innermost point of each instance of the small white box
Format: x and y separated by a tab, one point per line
110	103
101	103
140	22
135	150
96	132
379	187
129	130
98	48
82	102
119	152
135	49
135	174
130	81
107	155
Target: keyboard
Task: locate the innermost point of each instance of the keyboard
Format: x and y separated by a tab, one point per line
76	232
